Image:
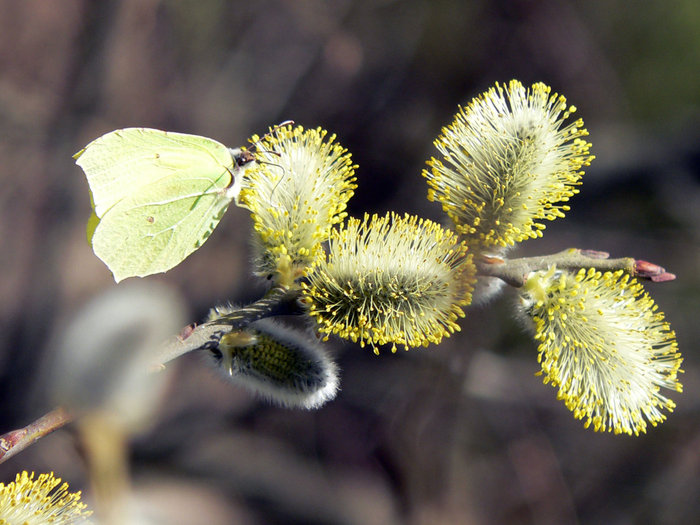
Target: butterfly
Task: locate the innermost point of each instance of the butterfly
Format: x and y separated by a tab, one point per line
157	196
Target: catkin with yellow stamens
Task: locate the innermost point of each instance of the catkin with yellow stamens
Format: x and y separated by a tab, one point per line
604	344
29	501
390	280
298	190
508	162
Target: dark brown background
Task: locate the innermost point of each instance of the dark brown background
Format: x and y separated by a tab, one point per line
459	433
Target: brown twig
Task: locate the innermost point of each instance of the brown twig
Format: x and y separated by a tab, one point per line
16	441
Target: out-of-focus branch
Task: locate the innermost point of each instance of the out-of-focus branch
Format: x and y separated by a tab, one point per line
276	301
515	271
16	441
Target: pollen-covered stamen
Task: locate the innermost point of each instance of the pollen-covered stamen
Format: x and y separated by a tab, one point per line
508	161
38	501
298	191
391	279
605	346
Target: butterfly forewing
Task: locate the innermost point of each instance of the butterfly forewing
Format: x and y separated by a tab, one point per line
119	163
156	196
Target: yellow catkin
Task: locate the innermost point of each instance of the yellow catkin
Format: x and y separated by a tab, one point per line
606	347
298	189
30	501
508	161
391	280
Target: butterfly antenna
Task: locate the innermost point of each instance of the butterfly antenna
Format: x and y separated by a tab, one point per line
273	130
272	194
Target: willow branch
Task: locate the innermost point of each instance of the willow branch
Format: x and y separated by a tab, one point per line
515	271
206	336
283	301
16	441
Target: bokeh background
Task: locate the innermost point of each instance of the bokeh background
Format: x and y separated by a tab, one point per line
461	433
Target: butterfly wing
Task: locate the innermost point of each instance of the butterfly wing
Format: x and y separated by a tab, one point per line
157	227
119	163
156	196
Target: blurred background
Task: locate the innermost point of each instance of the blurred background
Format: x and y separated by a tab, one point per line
460	433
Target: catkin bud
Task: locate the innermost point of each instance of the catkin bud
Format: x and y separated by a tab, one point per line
278	363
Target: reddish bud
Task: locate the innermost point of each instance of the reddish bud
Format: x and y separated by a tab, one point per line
186	331
654	272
